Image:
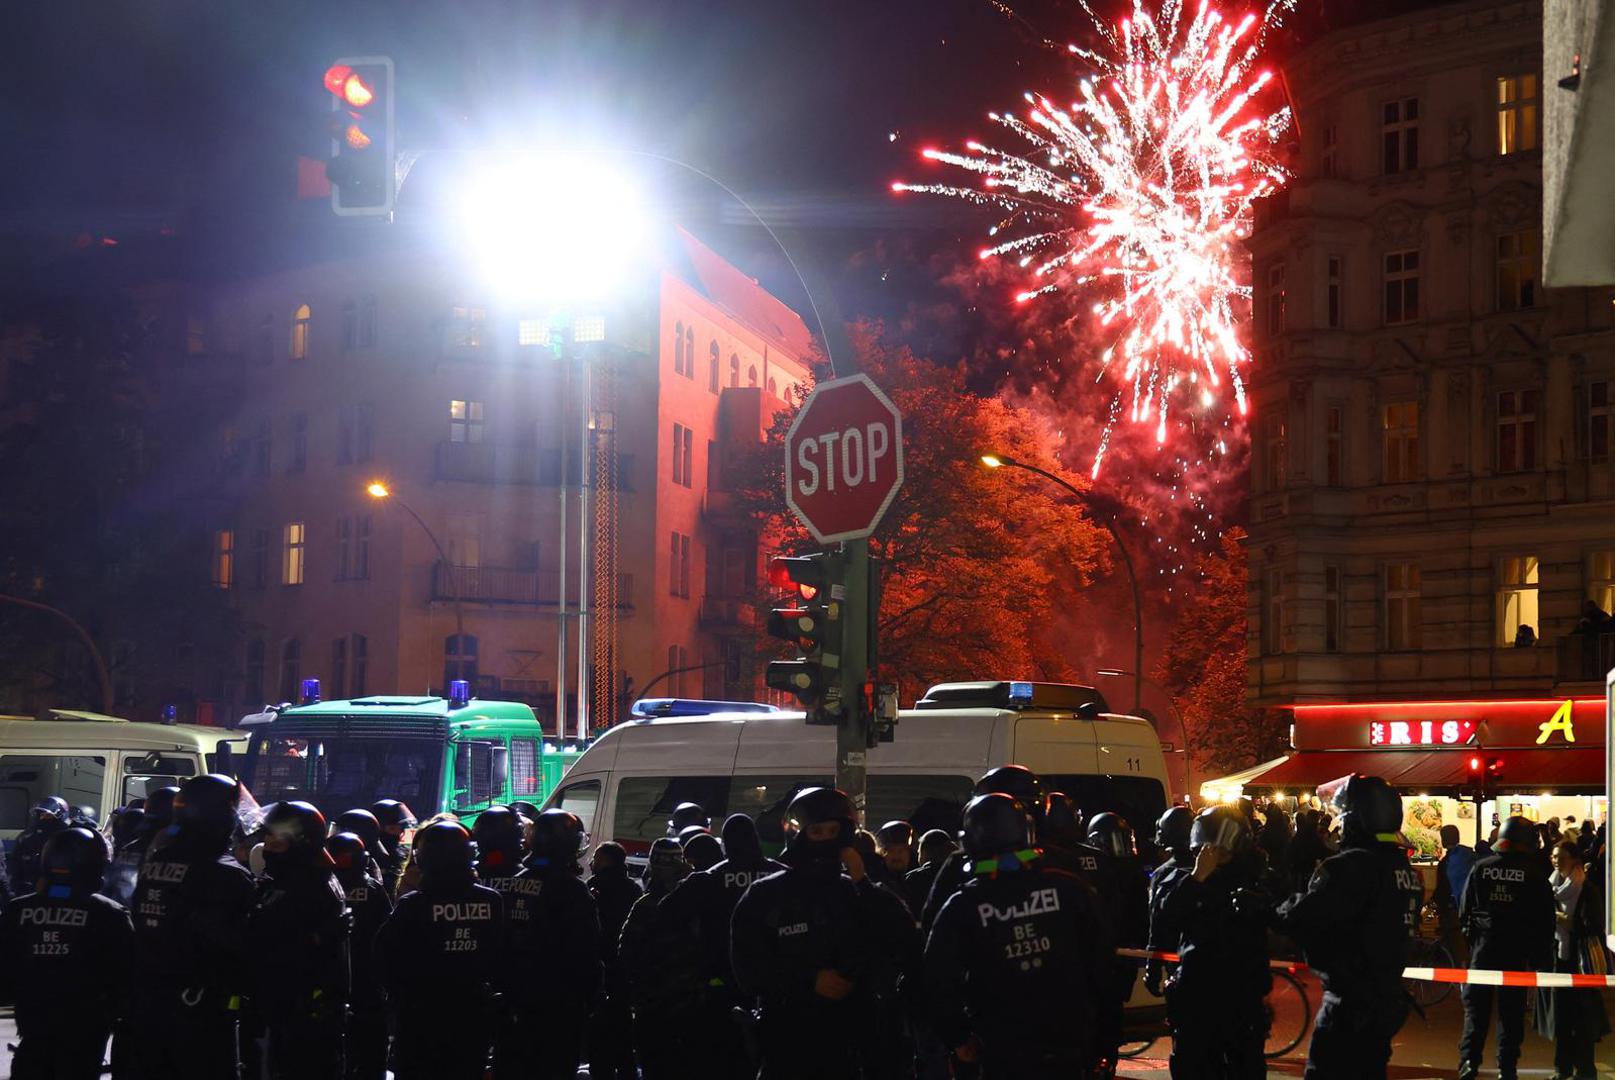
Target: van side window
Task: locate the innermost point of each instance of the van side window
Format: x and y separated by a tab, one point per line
524	767
644	803
1139	799
146	773
926	802
582	799
27	778
764	799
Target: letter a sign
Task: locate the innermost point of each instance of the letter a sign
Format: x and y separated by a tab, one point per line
844	459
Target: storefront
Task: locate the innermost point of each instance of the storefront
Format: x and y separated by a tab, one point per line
1543	758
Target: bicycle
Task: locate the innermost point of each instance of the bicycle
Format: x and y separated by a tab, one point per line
1290	1009
1430	953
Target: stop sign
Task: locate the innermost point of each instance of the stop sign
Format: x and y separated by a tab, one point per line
844	459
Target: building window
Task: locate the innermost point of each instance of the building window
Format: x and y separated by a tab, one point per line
467	325
1332	609
356	434
684	567
734	369
589	328
1400	422
678	570
1329	160
261	456
683	455
1401	287
367	322
714	363
673	564
1516	598
344	547
1516	113
254	688
773	388
1517	261
299	460
751	376
1275	299
1601	580
1334	424
1275	446
678	348
1600	406
361	664
1516	430
1402	623
1400	136
530	332
361	547
293	551
1273	612
291	670
224	559
339	668
678	658
460	659
266	340
301	318
465	421
1332	300
350	326
260	558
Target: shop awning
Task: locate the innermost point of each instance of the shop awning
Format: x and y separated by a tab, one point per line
1568	770
1214	790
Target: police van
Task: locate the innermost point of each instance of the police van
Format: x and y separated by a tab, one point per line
100	761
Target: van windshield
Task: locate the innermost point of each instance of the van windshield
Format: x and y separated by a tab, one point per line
1139	799
337	774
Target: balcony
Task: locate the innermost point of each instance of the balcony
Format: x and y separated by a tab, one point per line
1584	658
504	585
727	613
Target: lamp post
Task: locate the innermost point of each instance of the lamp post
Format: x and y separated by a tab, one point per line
1004	461
380	491
1177	714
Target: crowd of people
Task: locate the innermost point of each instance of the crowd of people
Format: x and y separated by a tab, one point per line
208	939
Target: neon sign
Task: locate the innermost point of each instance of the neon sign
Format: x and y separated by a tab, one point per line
1421	732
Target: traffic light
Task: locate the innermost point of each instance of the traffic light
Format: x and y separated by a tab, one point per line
1494	770
811	620
1475	771
362	165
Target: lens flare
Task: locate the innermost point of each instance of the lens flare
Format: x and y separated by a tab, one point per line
1135	199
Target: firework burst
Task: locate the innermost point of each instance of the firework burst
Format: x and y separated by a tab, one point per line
1137	197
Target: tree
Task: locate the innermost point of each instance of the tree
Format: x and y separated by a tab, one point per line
1204	667
977	564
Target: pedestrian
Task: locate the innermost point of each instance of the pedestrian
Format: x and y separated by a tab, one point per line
1305	850
64	962
1216	1000
1452	874
444	942
1508	914
800	944
1275	837
896	847
395	820
1355	921
1172	837
935	847
1015	972
366	1050
49	816
191	906
611	1057
661	958
299	940
1574	1018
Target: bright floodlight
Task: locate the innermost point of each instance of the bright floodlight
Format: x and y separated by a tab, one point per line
378	490
554	230
992	461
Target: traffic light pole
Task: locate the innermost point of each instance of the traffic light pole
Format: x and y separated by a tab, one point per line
852	729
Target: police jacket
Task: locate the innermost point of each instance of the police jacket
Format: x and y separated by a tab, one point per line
1222	944
1164	934
1122	886
614	895
191	907
791	925
917	886
1508	912
370	908
660	954
64	961
1356	918
25	857
444	943
1022	961
299	936
554	928
708	897
948	879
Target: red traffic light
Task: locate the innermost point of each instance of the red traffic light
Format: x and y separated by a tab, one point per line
349	86
1474	764
804	573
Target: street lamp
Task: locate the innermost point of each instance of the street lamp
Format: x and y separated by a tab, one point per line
379	491
1177	714
1003	461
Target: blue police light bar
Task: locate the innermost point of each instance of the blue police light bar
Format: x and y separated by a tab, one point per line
170	714
650	708
1020	694
311	692
459	693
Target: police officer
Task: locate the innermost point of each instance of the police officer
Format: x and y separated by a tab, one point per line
395	819
1508	915
660	955
363	824
64	955
498	833
1215	1000
1172	837
553	929
192	901
1020	784
615	893
48	817
1015	971
800	941
686	815
444	942
368	904
1355	921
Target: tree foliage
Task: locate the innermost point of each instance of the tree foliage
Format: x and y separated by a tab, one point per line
976	562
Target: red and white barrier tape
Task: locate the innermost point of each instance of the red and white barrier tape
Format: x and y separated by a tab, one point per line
1546	980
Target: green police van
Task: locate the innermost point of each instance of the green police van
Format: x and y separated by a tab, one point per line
457	754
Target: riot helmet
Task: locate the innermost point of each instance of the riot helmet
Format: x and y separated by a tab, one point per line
443	852
1172	830
667	866
126	824
807	824
348	855
498	833
1518	834
206	807
160	807
395	819
51	810
73	863
294	837
994	824
361	823
1062	822
1110	833
1223	827
527	811
559	840
740	842
1020	784
685	815
1368	808
703	851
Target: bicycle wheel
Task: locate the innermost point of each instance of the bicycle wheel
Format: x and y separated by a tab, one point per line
1134	1049
1423	952
1291	1010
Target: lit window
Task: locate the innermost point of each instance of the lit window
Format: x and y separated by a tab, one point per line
1334	288
1399	421
1601	580
1600	407
1275	299
301	318
467	326
224	559
1332	609
1400	136
293	552
1516	270
1516	430
1401	287
1517	589
1334	434
532	332
1275	446
589	328
1273	612
465	421
1402	596
1516	113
